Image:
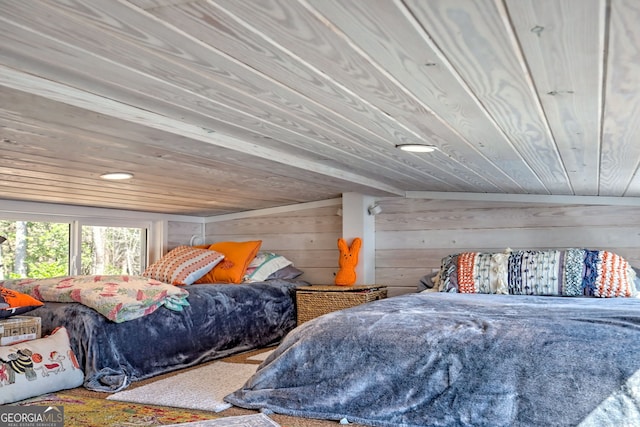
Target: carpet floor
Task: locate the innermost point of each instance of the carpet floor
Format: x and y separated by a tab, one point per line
175	415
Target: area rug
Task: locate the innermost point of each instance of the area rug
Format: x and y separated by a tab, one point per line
257	420
202	388
80	411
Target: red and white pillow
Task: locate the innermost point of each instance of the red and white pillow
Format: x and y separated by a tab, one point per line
183	265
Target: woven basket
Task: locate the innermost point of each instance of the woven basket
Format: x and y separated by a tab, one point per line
314	301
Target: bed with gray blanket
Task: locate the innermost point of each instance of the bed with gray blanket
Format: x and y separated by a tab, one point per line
221	319
467	359
450	359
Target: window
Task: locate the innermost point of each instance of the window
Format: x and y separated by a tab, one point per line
34	249
40	249
112	250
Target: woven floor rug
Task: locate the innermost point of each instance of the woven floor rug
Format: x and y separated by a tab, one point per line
257	420
203	388
82	411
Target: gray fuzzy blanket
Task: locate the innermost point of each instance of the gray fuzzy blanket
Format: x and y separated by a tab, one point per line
441	359
220	320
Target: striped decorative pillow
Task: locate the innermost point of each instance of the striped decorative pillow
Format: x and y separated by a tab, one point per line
183	265
569	272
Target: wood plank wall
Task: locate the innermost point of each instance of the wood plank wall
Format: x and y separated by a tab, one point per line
180	233
412	235
307	237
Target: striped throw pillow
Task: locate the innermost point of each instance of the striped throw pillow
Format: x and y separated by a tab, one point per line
183	265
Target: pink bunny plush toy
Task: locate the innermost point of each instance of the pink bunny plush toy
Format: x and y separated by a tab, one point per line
348	260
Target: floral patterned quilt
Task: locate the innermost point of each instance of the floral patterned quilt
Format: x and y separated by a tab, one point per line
118	298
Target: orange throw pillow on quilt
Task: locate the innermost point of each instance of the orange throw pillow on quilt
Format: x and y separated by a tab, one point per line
237	256
14	302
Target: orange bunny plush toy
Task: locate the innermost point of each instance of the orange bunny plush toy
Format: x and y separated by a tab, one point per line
348	260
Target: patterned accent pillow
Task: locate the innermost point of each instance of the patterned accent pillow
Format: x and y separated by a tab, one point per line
607	275
569	272
264	265
14	302
183	265
481	273
546	272
39	366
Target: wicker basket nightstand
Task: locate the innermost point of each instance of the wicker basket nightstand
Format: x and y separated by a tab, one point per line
314	301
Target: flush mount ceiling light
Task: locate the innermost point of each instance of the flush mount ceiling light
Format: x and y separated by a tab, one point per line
116	175
417	148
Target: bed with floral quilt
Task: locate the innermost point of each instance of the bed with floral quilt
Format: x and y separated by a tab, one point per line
128	328
518	338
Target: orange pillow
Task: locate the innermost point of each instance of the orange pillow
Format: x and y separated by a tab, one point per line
13	302
237	256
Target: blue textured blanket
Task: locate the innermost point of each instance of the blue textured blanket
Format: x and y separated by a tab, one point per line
220	320
440	359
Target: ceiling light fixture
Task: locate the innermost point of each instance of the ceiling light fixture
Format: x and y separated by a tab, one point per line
417	148
116	175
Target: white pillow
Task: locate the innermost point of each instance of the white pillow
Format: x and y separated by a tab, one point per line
39	366
264	265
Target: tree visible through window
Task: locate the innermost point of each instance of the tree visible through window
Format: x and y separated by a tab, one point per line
34	249
111	250
42	249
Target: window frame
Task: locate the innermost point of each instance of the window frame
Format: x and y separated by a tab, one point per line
75	243
41	218
152	231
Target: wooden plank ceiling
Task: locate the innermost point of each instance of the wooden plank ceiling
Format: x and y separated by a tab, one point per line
221	106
